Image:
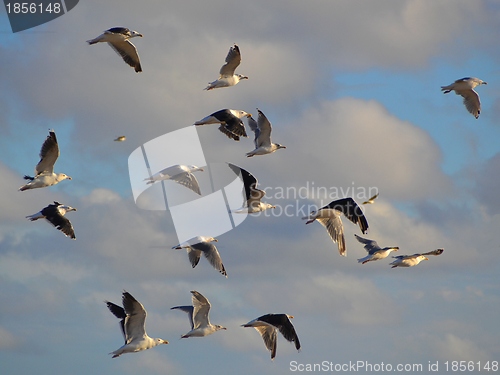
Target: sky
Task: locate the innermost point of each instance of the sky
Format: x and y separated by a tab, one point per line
352	89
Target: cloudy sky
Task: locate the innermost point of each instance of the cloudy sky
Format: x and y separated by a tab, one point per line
352	88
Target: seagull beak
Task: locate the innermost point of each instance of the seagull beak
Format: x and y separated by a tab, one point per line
141	37
68	178
249	115
216	240
426	258
164	341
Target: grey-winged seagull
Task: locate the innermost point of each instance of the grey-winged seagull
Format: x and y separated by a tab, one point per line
44	170
230	122
375	252
329	217
262	129
200	244
226	74
54	214
198	316
268	326
133	324
371	200
118	39
408	260
182	174
252	196
465	88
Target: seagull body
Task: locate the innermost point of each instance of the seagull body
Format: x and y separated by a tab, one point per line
44	170
252	198
133	323
230	122
329	217
182	174
268	326
54	214
198	316
198	245
262	129
371	200
121	138
465	88
227	77
118	39
408	260
375	252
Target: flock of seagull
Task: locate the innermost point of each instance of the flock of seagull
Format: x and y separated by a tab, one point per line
133	314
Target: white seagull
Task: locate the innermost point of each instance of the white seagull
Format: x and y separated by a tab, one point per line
44	170
408	260
118	39
268	326
375	252
198	317
252	197
230	119
465	88
262	129
54	214
371	200
182	174
133	325
227	77
200	244
329	217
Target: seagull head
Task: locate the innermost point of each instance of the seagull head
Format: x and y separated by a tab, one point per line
62	176
161	341
194	168
218	327
278	146
241	76
133	34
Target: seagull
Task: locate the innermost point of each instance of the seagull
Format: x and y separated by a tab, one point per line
252	203
182	174
198	317
268	326
329	217
198	245
231	124
262	130
121	138
371	200
375	252
465	87
54	214
227	77
118	39
408	260
44	170
133	325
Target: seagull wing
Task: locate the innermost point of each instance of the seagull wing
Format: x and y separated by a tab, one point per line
351	210
255	128
188	180
370	245
335	229
270	337
201	309
434	252
135	321
471	101
119	312
264	138
233	59
128	52
193	255
252	194
48	154
212	254
188	310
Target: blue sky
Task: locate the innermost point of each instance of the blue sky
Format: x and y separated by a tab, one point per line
352	88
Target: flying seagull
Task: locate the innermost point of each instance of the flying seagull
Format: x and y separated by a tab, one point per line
182	174
54	214
252	197
230	122
329	217
118	39
121	138
227	77
44	170
198	316
371	200
198	245
465	87
133	324
262	129
408	260
268	326
375	252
